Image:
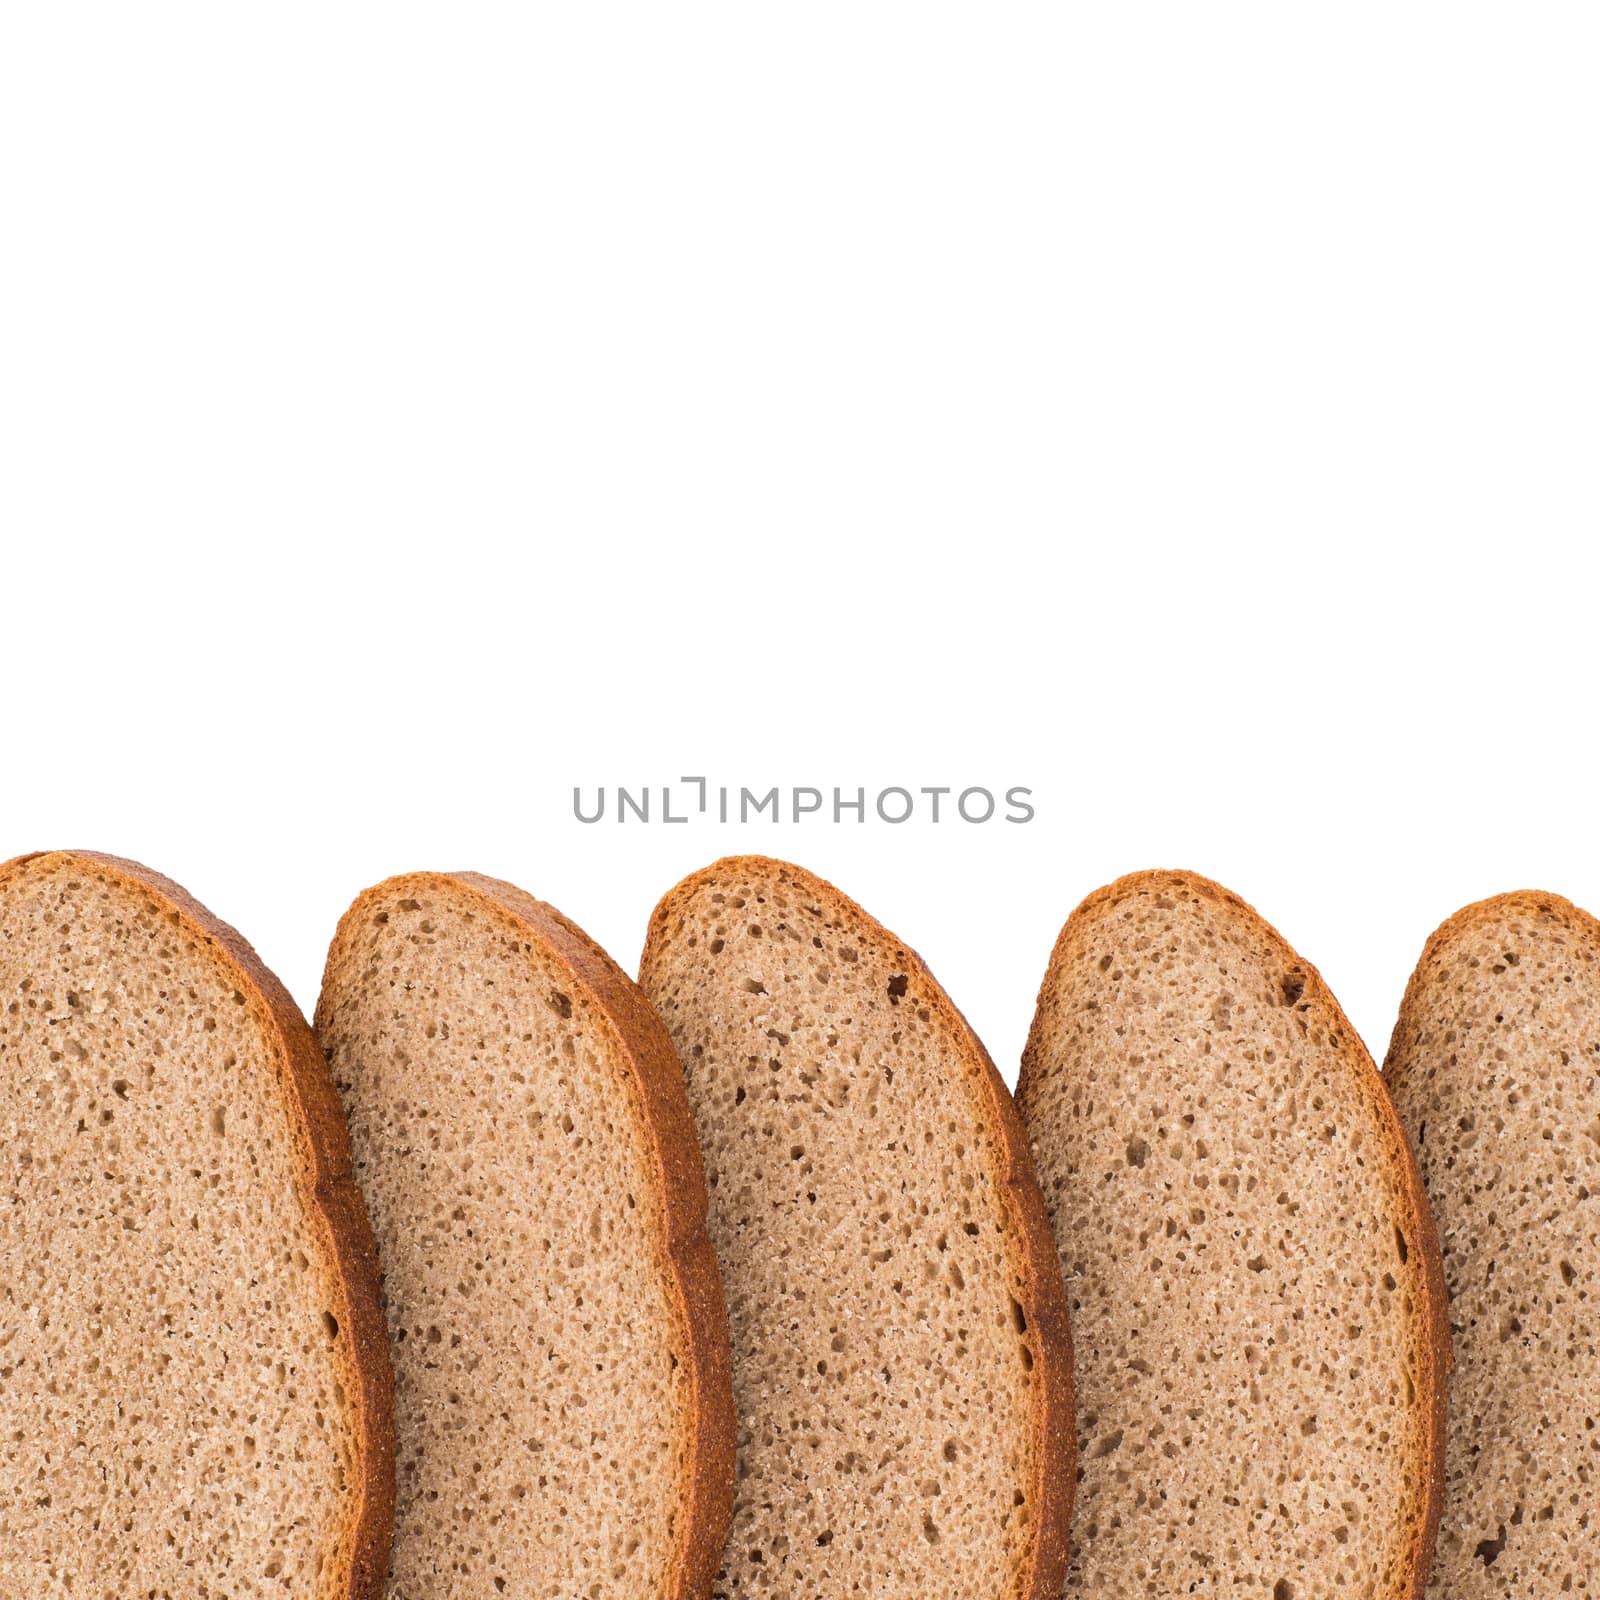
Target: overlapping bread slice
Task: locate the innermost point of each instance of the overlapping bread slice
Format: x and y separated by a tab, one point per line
901	1359
1495	1067
561	1358
1252	1269
195	1395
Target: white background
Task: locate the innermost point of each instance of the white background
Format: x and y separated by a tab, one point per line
407	413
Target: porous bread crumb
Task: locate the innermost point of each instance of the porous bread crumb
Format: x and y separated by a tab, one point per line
889	1384
1257	1355
542	1379
175	1414
1495	1067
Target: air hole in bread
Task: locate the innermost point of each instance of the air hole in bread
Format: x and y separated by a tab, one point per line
1489	1551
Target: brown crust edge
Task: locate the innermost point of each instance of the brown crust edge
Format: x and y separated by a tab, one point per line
1539	902
1433	1343
644	1044
318	1118
1054	1425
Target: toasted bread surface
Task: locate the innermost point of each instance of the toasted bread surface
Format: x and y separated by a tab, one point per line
1252	1268
1495	1068
902	1365
195	1389
520	1124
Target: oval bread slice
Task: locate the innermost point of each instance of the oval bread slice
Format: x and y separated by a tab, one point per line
1252	1270
901	1360
561	1349
1495	1067
195	1394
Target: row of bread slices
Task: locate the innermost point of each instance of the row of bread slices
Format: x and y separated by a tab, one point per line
561	1393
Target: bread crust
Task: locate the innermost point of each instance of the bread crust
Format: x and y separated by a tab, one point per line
325	1167
1045	1302
1537	902
643	1043
1433	1334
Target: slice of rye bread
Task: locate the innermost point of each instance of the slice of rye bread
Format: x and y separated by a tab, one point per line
901	1358
1495	1068
1252	1268
195	1395
561	1348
